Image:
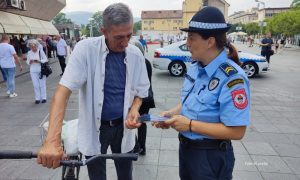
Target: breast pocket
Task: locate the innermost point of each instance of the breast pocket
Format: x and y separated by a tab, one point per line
209	100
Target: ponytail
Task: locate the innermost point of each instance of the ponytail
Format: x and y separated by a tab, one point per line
233	54
221	42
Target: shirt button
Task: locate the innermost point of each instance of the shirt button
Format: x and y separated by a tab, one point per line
98	118
102	90
99	104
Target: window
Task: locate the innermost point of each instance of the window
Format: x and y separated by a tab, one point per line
205	3
174	28
184	47
152	28
145	28
163	22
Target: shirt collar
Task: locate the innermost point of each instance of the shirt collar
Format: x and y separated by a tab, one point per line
105	49
212	67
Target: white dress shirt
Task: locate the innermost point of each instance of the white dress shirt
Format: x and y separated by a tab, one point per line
86	71
36	67
61	47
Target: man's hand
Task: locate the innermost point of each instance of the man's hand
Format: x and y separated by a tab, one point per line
132	120
50	155
179	123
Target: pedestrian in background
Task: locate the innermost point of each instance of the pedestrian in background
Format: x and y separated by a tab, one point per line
147	104
73	43
34	58
266	46
62	52
8	57
215	107
143	42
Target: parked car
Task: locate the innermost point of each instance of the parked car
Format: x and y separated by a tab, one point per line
176	58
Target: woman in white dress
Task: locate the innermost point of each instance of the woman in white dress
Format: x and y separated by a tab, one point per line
34	58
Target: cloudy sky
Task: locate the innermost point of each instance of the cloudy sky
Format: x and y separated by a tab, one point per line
138	5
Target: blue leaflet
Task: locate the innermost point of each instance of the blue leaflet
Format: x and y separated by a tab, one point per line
152	118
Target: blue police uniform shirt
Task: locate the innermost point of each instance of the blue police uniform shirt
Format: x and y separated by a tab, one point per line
216	93
114	86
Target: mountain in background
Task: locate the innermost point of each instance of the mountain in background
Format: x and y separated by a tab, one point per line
82	17
79	17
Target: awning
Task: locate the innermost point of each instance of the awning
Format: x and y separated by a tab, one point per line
50	28
34	25
13	24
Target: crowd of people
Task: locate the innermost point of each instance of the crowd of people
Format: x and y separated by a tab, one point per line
34	51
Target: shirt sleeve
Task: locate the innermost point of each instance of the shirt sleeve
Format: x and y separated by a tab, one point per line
75	74
234	102
12	50
142	81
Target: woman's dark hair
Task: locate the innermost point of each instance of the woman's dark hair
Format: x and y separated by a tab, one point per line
221	42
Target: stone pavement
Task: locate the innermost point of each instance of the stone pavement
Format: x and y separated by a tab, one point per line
270	149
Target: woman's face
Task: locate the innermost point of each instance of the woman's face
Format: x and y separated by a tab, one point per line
197	46
33	47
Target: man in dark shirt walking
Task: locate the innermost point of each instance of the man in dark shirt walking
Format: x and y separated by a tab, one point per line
266	47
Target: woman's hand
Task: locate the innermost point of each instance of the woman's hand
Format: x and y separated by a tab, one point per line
162	125
179	123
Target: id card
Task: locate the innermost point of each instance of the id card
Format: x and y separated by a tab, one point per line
152	118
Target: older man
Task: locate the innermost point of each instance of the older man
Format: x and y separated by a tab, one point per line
112	79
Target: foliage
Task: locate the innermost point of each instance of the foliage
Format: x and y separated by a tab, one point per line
60	18
287	23
295	4
137	26
96	24
252	28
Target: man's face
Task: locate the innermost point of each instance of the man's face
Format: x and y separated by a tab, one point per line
118	36
269	35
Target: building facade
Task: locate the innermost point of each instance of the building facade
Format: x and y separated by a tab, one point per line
167	23
31	17
255	15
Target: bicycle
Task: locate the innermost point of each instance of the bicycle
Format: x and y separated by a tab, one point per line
71	163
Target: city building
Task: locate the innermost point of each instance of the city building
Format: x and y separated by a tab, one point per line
167	23
30	17
255	15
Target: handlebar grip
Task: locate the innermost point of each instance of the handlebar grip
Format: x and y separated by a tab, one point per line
71	163
17	154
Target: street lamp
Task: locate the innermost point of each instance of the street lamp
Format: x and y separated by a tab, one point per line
262	23
260	3
91	28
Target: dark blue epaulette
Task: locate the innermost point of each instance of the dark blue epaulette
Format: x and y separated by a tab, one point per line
193	62
228	69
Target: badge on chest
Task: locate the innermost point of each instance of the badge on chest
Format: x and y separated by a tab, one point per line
213	84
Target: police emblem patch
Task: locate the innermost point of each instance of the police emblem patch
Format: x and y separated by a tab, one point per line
239	98
213	84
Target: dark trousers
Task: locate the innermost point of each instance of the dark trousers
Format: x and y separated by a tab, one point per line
62	62
110	136
142	130
267	55
195	164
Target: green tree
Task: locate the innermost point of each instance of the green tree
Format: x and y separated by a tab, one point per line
137	26
287	23
252	28
96	24
60	18
295	4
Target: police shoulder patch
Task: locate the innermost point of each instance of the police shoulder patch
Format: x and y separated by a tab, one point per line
235	82
228	69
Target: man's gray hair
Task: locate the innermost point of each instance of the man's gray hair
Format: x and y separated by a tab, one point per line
117	14
33	42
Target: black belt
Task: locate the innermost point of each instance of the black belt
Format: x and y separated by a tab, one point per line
205	143
113	123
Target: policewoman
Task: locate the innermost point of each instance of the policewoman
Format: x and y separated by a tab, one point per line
215	101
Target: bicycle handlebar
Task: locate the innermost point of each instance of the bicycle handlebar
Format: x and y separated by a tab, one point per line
71	163
17	154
